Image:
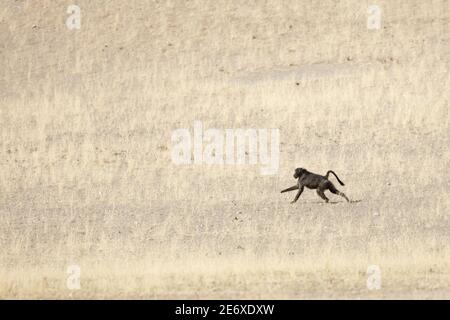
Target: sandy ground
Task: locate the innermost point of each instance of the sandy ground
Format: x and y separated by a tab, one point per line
87	178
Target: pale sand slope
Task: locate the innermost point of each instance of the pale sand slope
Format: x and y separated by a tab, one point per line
86	176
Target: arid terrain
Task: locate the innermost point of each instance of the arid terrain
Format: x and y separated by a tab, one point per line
88	183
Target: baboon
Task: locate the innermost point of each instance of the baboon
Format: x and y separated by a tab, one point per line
314	181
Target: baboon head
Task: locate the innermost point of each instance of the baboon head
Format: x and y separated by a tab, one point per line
298	172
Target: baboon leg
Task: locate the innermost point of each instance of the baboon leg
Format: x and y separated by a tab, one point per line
336	191
343	195
300	190
321	194
290	189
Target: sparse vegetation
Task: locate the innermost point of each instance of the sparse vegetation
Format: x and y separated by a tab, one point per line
86	176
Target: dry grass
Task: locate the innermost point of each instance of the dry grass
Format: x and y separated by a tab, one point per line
86	176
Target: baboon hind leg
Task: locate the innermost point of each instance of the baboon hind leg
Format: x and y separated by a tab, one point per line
336	191
321	194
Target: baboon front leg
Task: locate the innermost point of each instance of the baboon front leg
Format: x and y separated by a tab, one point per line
300	190
322	195
290	189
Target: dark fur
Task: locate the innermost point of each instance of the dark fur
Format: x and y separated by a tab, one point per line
314	181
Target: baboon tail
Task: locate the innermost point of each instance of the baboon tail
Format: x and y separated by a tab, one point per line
330	171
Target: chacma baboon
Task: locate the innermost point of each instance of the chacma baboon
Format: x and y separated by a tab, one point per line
314	181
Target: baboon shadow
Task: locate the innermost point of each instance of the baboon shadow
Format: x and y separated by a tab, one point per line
323	202
332	202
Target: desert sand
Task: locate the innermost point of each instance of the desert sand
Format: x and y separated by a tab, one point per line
87	178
